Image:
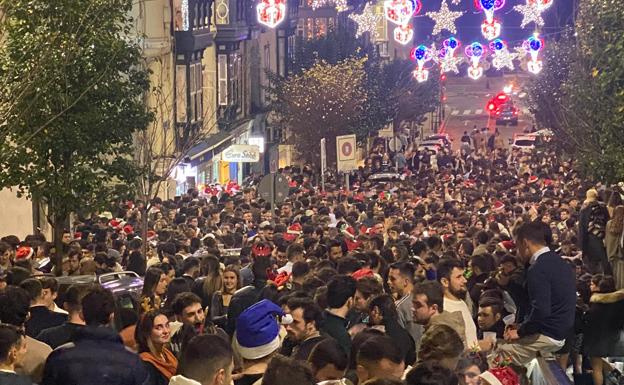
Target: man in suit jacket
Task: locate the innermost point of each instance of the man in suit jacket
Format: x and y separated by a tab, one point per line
552	294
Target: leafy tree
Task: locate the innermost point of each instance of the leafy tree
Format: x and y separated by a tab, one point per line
67	138
323	101
586	109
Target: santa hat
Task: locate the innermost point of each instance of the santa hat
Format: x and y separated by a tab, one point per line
151	235
128	229
24	252
261	250
295	228
361	273
483	210
498	206
77	235
257	330
506	245
115	223
548	182
352	244
281	279
500	376
532	179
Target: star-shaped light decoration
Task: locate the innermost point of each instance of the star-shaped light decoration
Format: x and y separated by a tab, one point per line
503	58
531	13
367	21
450	63
444	19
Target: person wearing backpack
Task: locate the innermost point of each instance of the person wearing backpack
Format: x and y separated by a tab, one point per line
592	228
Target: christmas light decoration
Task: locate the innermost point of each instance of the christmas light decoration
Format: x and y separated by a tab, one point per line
532	12
421	55
475	52
533	45
501	57
490	28
446	56
340	5
456	2
401	11
366	22
271	12
444	19
403	34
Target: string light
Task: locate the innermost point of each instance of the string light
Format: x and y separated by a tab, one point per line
446	56
444	19
366	22
271	12
501	57
491	29
456	2
340	5
421	55
533	45
475	52
403	34
531	13
400	12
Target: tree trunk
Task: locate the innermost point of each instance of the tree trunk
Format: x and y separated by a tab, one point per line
57	258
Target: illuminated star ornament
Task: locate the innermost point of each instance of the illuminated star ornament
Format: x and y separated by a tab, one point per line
271	12
444	19
340	5
446	56
501	57
366	22
532	12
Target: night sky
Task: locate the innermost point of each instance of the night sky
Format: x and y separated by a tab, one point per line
557	18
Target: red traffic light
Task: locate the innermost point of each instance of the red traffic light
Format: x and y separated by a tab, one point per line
443	77
491	106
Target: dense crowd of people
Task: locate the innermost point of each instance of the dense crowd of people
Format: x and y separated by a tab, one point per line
468	270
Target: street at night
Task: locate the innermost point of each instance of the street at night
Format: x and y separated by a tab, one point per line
311	192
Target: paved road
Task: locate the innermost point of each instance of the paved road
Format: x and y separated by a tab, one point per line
466	103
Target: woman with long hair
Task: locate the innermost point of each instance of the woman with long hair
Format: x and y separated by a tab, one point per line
210	281
154	289
152	336
221	299
613	243
603	324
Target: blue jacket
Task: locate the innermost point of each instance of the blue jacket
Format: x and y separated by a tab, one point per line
97	356
552	295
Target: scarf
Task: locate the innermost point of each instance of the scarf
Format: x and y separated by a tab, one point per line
167	368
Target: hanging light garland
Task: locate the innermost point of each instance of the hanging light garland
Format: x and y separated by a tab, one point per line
271	12
533	46
400	12
532	12
501	57
421	55
366	22
340	5
446	56
444	19
490	28
475	52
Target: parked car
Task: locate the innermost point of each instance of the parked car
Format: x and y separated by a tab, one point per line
523	142
444	137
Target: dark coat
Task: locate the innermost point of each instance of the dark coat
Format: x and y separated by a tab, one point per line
42	318
14	379
603	325
58	335
241	300
155	376
97	356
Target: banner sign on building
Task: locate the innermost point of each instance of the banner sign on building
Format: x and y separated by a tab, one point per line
241	153
345	148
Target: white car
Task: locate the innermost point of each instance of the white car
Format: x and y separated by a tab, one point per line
523	142
444	137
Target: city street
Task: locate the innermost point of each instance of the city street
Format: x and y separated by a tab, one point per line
467	100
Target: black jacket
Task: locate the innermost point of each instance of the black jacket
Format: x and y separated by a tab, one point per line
552	292
96	357
603	325
14	379
41	318
241	300
336	328
58	335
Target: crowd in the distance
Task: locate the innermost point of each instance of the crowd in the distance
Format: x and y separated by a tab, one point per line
461	273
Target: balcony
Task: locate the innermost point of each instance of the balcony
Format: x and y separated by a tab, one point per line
192	25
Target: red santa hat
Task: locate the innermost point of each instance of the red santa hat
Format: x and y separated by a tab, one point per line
295	229
361	273
548	182
532	179
259	250
115	223
24	252
507	245
500	376
77	235
498	206
128	229
151	235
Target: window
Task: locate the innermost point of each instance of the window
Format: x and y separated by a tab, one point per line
266	66
382	48
300	27
309	28
320	27
181	93
196	88
222	76
235	80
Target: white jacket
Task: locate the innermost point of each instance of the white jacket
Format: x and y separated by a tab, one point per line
181	380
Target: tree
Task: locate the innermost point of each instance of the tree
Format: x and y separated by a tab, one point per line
586	111
68	139
323	101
